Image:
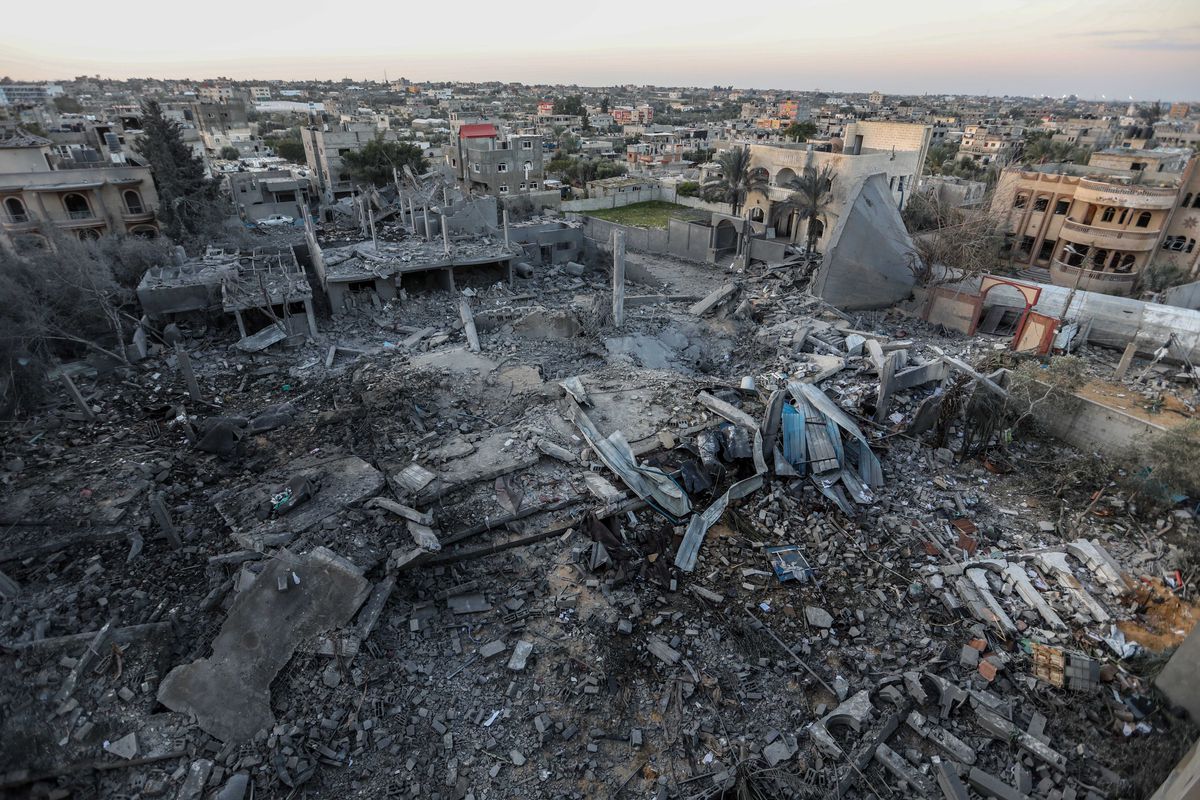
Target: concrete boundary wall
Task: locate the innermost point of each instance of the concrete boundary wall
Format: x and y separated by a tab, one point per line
665	194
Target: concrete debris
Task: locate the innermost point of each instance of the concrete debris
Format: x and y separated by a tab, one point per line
762	544
229	691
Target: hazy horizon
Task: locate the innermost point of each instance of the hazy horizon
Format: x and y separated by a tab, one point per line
1093	49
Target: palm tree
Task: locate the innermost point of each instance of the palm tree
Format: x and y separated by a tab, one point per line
1148	115
811	197
735	179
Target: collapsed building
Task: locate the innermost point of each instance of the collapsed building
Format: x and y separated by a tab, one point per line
604	524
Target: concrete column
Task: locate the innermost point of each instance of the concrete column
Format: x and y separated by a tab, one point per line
162	516
468	321
618	279
445	236
428	231
312	319
506	228
237	314
73	390
189	377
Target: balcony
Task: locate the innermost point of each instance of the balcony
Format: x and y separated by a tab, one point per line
1063	274
1108	238
19	223
132	214
1121	196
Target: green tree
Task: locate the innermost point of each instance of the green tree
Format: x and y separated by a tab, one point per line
572	105
229	153
604	104
1039	147
734	180
291	149
373	164
811	196
190	205
688	188
939	156
1147	115
800	131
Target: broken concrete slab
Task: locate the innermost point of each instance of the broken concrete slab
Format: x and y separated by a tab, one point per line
714	299
493	457
868	254
343	482
854	713
1055	563
818	617
229	691
1004	730
890	760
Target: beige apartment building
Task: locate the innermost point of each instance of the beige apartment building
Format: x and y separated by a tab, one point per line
41	192
1100	226
896	149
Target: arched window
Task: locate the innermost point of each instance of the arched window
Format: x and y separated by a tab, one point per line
77	206
15	210
145	232
1125	264
756	214
1109	213
1098	259
1143	220
1191	245
1121	219
133	202
1020	201
89	235
1196	202
1187	200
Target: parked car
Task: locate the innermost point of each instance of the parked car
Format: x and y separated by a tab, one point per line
275	220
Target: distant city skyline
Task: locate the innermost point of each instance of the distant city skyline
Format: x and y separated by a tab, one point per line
1091	49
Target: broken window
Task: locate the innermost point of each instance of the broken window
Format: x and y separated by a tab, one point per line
1026	246
1047	249
1125	264
1187	200
1109	214
1174	243
1041	204
532	185
1143	220
1061	207
1019	201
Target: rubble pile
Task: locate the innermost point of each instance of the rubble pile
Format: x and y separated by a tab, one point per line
735	547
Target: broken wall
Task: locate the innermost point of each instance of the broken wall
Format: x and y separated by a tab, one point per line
866	263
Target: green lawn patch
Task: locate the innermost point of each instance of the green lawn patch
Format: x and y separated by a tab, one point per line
653	214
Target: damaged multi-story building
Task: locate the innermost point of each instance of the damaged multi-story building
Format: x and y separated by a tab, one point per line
486	160
1099	226
42	192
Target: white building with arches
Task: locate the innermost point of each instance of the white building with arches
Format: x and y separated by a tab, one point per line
895	149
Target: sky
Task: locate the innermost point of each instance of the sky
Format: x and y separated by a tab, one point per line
1145	50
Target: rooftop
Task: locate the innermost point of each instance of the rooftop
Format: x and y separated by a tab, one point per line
23	138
